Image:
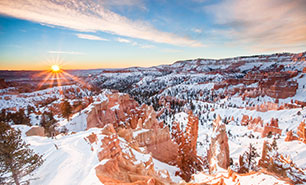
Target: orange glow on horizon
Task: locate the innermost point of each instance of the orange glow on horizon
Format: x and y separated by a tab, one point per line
56	76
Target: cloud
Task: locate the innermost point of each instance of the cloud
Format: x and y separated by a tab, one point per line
89	16
125	3
261	23
133	43
196	30
66	52
122	40
90	37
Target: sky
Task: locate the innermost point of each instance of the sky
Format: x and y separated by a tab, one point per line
90	34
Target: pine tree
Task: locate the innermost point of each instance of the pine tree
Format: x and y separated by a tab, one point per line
251	154
187	159
66	109
16	158
20	118
274	144
47	121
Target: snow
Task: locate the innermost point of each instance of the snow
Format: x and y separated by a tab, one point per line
116	107
72	163
256	178
136	133
104	161
158	165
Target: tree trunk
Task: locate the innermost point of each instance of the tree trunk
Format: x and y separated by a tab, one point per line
14	173
250	158
15	178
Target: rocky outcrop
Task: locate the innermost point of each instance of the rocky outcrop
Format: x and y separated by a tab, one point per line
117	110
280	165
122	111
36	131
303	104
290	136
119	165
134	122
159	143
275	84
110	144
187	160
282	89
257	125
245	120
301	132
231	177
218	153
271	128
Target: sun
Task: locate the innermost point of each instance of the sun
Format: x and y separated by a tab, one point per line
56	76
55	68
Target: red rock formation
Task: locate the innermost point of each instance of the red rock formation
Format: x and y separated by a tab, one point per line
123	112
282	89
303	104
187	159
118	167
110	144
267	106
290	136
245	120
236	178
36	131
218	153
257	125
274	84
192	132
117	111
159	143
301	132
220	85
276	163
274	122
92	138
270	130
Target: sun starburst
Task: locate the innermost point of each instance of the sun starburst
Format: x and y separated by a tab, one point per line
55	68
57	76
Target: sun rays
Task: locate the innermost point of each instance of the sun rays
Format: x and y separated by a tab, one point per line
57	76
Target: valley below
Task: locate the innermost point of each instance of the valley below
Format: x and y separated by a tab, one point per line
229	121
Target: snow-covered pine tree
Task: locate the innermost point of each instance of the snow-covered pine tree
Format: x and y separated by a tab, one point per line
251	154
247	161
16	158
274	144
47	121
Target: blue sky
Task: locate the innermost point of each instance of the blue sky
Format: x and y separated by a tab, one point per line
77	34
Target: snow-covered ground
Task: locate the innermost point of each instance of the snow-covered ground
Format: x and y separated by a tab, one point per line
69	159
